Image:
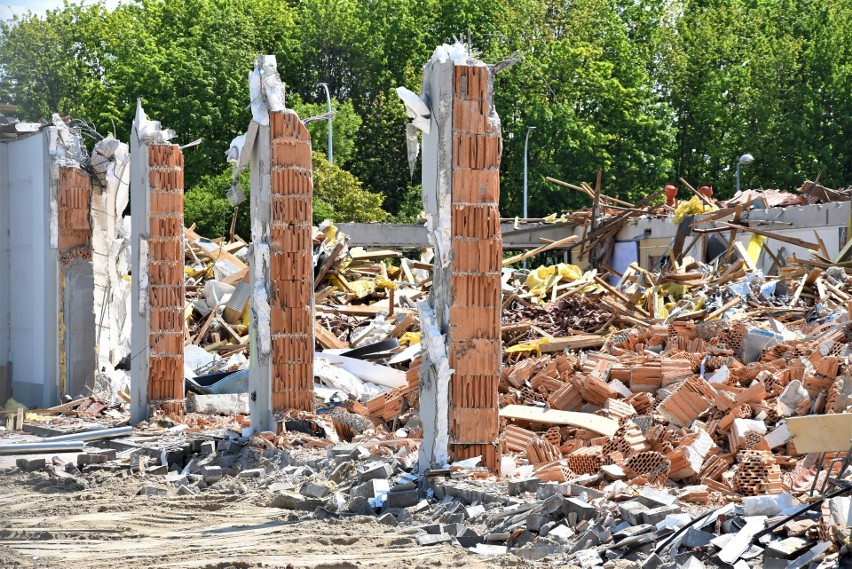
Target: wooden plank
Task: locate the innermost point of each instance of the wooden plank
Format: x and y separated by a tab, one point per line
821	433
532	253
791	240
579	342
588	421
358	310
327	339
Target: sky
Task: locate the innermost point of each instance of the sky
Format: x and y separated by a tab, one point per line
9	8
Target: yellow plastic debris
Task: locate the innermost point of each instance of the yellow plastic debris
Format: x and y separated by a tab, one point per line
387	284
410	338
542	279
533	346
692	207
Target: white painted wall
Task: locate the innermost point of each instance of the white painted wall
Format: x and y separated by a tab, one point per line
4	258
32	272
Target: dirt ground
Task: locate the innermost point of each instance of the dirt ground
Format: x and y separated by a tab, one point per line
45	524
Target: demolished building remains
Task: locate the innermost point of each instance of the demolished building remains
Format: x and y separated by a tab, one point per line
671	388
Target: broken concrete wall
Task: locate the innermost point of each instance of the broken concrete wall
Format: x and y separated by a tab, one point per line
461	160
278	146
76	282
110	161
158	271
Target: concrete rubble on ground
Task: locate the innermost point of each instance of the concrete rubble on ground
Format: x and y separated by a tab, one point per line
626	414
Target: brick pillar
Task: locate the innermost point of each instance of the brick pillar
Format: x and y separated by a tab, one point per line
291	264
474	333
165	278
157	327
76	332
461	323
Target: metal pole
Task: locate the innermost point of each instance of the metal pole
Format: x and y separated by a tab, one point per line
526	154
328	102
738	177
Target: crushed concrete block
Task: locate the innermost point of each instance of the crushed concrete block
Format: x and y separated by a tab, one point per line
251	473
360	505
207	447
211	474
434	539
420	506
187	490
583	510
294	501
91	458
517	487
312	490
373	471
159	470
656	515
653	498
151	491
789	548
588	558
31	464
225	404
536	521
388	519
473	512
767	505
579	490
631	512
488	549
536	551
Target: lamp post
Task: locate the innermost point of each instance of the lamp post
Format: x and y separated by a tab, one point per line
328	101
744	159
526	151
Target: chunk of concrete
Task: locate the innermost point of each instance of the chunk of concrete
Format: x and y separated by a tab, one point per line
434	539
583	510
517	487
225	404
653	498
31	464
588	558
388	519
631	512
789	548
656	515
312	490
374	471
211	474
768	505
696	538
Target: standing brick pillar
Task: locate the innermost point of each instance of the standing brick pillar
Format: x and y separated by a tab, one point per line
278	147
291	264
157	381
461	323
76	333
474	334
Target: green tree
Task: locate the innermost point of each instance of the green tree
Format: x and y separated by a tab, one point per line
345	125
341	196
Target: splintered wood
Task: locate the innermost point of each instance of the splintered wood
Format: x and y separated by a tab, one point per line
166	278
475	345
291	264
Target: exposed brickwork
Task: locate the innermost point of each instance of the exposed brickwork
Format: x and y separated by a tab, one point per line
291	265
475	279
166	278
74	197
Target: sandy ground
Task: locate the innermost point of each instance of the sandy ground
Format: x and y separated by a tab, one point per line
45	524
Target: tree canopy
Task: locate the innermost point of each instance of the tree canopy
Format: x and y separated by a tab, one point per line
646	90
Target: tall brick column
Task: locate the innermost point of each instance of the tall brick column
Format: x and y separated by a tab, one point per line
291	264
278	147
474	333
76	333
158	270
461	323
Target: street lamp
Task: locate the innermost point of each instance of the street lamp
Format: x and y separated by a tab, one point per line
526	150
328	100
744	159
